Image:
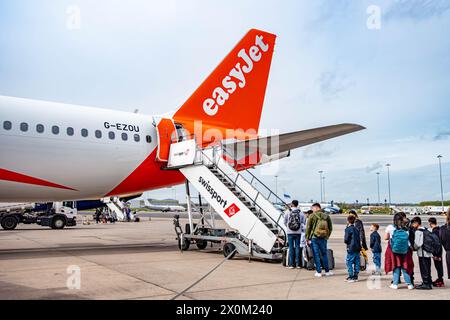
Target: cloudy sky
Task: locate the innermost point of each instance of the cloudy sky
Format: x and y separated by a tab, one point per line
334	62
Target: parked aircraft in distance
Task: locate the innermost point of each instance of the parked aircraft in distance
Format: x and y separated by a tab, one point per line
163	208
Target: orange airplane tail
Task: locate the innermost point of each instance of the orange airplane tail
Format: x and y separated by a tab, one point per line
232	96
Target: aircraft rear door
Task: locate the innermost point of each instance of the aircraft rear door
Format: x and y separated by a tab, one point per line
166	133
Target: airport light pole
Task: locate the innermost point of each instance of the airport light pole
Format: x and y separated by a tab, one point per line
378	187
440	177
389	184
321	194
323	179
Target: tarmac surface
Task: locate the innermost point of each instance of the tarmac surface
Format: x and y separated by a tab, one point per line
142	261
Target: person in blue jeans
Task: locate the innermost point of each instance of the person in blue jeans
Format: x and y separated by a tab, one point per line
375	246
353	241
318	231
295	222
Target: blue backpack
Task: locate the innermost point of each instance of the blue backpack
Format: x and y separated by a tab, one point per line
400	241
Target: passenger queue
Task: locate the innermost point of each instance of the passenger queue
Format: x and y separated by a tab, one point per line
308	234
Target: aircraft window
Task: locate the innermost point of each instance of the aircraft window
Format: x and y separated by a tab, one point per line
24	126
70	131
124	136
40	128
111	135
84	133
7	125
148	139
98	134
137	138
55	130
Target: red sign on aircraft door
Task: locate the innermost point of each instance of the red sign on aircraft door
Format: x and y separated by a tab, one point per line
166	133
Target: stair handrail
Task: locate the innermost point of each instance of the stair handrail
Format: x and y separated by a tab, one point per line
237	164
280	228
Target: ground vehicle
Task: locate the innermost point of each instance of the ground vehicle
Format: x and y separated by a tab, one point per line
55	215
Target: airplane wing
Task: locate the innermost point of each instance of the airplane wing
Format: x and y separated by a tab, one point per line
283	143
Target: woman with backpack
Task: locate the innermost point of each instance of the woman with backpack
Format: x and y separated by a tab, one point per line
398	256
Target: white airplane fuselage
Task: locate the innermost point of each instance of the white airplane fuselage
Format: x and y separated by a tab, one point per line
108	153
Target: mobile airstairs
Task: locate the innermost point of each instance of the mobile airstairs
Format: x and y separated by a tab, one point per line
115	205
256	226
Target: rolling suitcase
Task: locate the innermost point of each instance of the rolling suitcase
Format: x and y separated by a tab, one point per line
330	255
285	258
364	260
309	259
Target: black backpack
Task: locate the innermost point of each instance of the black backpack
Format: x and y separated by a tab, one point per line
431	243
294	220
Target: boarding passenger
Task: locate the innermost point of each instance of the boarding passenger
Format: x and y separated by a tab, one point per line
407	223
360	226
424	255
105	215
98	213
412	235
438	264
128	213
445	241
375	246
398	256
352	239
113	216
318	231
303	243
295	222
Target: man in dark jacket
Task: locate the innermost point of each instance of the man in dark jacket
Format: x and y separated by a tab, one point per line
439	282
353	241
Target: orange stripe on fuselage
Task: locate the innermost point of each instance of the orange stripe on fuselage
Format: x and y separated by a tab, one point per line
147	176
22	178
